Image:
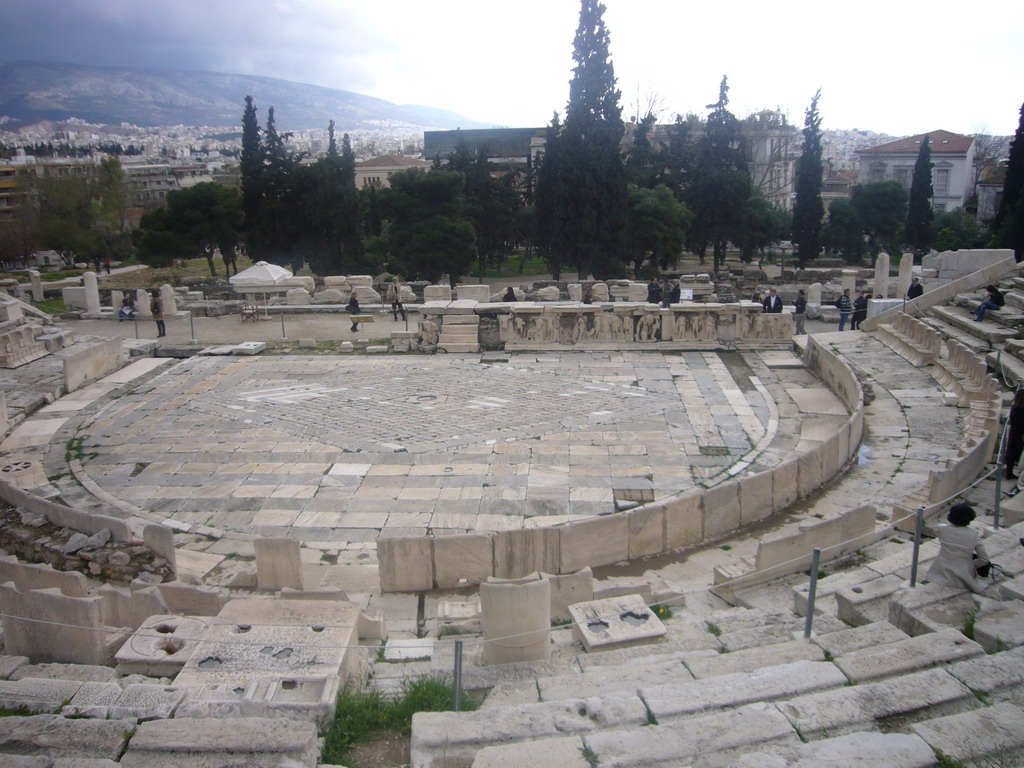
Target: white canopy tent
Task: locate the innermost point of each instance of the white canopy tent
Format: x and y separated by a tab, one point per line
261	277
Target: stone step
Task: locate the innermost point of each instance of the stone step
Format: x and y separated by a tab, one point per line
893	750
991	332
1015	298
37	694
854	639
948	331
56	737
450	737
457	338
999	676
995	733
751	659
906	656
453	347
1008	366
918	696
200	742
675	700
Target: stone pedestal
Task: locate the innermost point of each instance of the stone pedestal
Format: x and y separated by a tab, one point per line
814	294
37	285
142	299
600	292
437	293
169	300
850	281
881	286
92	293
278	563
516	619
906	275
116	297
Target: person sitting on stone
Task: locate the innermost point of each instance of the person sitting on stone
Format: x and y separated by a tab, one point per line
127	310
353	309
995	300
961	552
510	294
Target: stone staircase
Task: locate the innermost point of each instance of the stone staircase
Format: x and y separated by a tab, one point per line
460	333
740	686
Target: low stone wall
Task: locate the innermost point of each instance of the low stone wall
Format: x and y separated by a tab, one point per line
92	363
692	518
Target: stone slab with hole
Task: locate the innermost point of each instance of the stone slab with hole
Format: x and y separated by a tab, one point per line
615	622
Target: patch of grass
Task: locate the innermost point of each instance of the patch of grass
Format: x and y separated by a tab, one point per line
561	622
969	619
822	573
945	761
828	656
590	756
726	547
361	715
448	630
661	611
52	306
73	449
715	630
15	712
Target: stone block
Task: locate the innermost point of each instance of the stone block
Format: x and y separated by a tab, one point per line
260	742
528	550
785	485
516	620
721	510
129	609
160	539
751	659
93	700
249	348
569	588
929	607
684	520
809	474
45	625
92	362
906	656
278	563
473	292
61	738
600	541
160	646
756	502
406	564
566	752
11	664
867	602
462	560
437	293
893	750
972	736
28	576
617	622
999	675
191	599
82	673
646	531
785	681
37	694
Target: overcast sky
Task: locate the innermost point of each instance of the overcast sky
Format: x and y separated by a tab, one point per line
894	67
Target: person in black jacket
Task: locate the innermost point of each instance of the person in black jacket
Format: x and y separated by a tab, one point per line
860	310
800	312
845	307
995	300
353	309
915	289
1015	435
772	303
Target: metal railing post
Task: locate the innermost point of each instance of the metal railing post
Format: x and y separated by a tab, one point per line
811	591
918	529
457	674
283	334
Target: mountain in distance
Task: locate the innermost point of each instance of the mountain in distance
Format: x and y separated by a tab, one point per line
31	91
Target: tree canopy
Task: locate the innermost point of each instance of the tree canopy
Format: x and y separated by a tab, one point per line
1009	221
917	230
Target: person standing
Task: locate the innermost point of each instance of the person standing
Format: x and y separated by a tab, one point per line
395	298
653	292
860	310
800	312
845	308
353	309
666	294
1014	435
106	264
510	294
915	289
675	294
156	308
772	303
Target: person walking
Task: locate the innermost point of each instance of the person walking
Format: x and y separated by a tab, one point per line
395	298
845	308
800	312
353	309
156	309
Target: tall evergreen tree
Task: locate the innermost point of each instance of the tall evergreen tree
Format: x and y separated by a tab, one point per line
719	187
332	145
251	167
1009	222
590	193
808	209
918	229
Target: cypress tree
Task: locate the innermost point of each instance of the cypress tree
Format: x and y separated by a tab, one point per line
918	228
251	166
1009	221
588	229
808	209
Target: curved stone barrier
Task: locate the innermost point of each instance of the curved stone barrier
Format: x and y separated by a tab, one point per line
695	517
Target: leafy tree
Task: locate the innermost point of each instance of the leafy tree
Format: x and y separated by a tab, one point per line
428	233
808	210
657	227
583	208
918	228
960	228
1009	221
111	210
720	184
760	226
326	207
844	231
881	207
19	233
67	217
196	222
642	161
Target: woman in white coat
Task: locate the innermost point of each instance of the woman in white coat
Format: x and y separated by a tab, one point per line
961	552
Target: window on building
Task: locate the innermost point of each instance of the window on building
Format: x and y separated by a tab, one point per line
940	207
876	172
903	176
942	181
